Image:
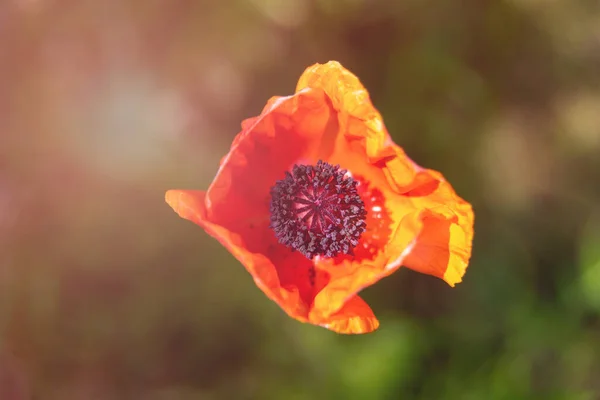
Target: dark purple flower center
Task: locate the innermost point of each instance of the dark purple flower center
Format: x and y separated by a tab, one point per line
316	210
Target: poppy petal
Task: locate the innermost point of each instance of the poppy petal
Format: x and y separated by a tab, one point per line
443	246
430	228
235	208
353	318
192	205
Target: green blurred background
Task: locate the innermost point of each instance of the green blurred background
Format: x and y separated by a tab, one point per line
106	294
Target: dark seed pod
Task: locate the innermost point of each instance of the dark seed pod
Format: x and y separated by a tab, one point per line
316	210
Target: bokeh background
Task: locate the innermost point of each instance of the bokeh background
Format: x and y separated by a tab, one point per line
106	294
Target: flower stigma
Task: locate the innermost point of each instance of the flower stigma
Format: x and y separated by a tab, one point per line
316	210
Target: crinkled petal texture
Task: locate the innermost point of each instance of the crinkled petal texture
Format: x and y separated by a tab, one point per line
414	216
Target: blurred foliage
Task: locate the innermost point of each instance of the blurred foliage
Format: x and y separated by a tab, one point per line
106	294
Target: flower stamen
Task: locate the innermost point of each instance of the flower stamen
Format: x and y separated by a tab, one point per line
317	210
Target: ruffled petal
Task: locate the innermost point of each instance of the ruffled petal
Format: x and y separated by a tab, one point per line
428	227
235	208
255	248
443	246
289	130
354	317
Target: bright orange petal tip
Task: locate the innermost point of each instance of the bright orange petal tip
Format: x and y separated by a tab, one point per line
313	235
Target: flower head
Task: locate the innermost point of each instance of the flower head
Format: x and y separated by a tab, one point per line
317	202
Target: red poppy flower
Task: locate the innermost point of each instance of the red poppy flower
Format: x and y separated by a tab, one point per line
317	202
